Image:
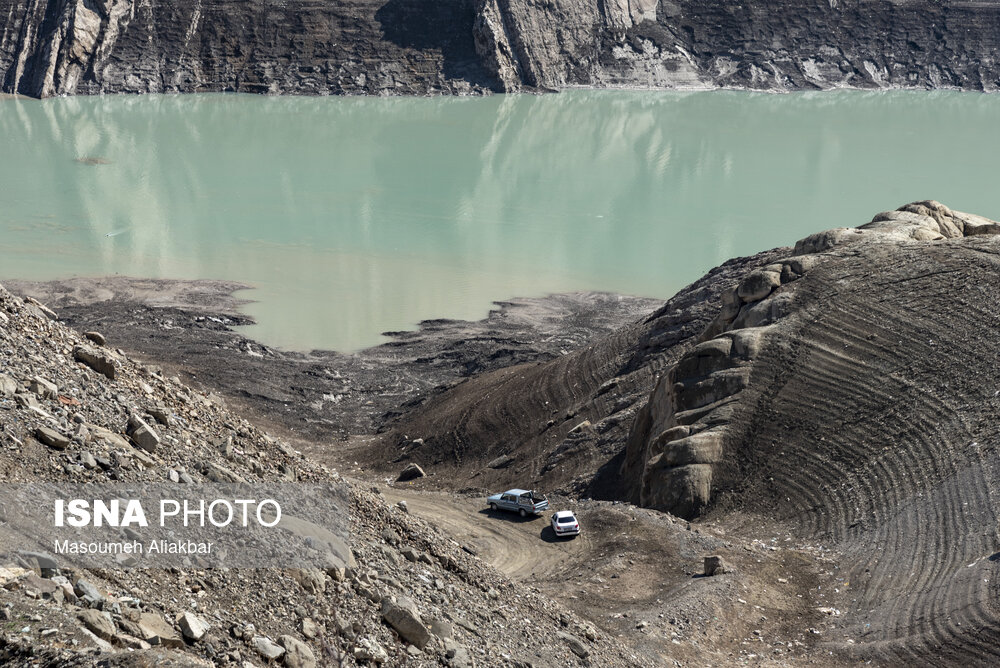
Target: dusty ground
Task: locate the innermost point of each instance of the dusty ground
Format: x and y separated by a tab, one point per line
638	575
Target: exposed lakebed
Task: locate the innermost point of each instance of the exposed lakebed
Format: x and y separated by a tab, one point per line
354	216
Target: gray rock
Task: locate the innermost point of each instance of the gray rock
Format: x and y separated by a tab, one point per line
88	592
402	505
402	615
43	388
411	472
575	644
714	565
142	434
297	653
52	438
160	414
155	630
192	626
217	473
98	623
503	461
442	629
267	649
96	337
8	386
367	649
96	360
46	589
458	657
758	285
309	628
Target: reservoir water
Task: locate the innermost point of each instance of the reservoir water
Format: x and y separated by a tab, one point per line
354	216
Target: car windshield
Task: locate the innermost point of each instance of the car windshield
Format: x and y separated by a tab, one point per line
566	520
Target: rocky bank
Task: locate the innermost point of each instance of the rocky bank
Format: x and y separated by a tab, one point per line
402	593
391	47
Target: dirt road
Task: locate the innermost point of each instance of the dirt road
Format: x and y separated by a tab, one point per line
524	548
636	574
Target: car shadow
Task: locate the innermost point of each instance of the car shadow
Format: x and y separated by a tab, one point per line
508	515
549	535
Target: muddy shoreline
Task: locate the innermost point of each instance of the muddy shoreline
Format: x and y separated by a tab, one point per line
186	327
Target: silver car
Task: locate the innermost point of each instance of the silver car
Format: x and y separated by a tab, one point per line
523	501
564	523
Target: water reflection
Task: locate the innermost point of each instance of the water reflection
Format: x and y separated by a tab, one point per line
355	216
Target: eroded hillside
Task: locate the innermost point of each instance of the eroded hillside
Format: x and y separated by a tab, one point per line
399	591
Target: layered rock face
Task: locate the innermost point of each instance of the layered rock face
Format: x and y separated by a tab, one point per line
64	47
56	47
849	392
686	432
761	44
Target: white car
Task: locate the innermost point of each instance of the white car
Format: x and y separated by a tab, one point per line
564	523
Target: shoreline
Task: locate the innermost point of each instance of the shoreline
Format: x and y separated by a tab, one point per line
186	327
681	89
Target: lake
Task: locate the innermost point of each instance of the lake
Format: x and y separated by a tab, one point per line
354	216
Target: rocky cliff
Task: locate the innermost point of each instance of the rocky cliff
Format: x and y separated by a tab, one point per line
57	47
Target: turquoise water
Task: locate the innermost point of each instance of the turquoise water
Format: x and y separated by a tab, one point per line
353	216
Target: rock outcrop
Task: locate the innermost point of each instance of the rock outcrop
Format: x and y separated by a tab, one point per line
682	434
58	47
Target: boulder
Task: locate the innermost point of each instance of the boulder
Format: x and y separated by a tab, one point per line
575	644
43	388
142	434
47	589
297	653
267	648
192	626
98	623
368	650
714	565
88	592
8	386
96	337
160	414
52	438
309	628
503	461
96	360
758	285
411	472
402	615
155	630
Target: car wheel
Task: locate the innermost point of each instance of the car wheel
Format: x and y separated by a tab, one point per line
523	513
493	507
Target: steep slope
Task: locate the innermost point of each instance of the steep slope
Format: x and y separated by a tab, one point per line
65	403
559	423
850	391
59	47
